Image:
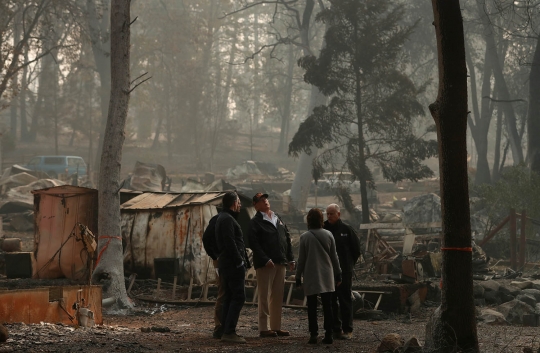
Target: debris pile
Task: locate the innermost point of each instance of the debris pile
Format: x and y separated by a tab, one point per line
516	302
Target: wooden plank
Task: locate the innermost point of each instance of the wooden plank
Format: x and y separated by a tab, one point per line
400	225
494	231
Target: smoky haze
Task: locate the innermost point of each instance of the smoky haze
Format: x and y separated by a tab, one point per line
222	83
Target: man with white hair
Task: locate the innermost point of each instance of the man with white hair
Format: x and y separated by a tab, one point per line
348	250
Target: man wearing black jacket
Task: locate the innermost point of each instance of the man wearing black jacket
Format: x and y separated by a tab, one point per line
272	253
210	246
232	263
348	250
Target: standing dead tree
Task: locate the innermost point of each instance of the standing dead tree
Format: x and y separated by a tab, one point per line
110	266
452	327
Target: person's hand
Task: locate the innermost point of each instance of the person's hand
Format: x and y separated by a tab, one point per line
292	265
270	264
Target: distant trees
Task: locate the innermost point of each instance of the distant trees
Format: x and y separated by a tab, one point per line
373	105
20	21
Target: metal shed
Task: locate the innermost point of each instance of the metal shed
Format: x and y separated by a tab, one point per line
171	225
58	249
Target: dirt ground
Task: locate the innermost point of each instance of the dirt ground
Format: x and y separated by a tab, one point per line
191	331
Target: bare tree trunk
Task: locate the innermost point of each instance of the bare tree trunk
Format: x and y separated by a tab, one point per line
533	121
497	157
169	122
15	79
22	100
197	103
155	142
500	84
287	98
302	178
480	125
98	29
43	107
256	83
110	265
452	327
223	99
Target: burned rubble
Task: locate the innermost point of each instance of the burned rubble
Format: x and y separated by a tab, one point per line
397	278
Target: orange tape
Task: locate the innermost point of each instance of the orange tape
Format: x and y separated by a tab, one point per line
110	237
457	249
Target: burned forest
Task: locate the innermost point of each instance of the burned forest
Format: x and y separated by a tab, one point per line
152	150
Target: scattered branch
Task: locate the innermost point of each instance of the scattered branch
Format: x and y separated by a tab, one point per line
138	84
504	100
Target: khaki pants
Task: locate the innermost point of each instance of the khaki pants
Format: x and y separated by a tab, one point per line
270	284
218	309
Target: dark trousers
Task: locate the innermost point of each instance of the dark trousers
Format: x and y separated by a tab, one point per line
343	312
326	299
233	282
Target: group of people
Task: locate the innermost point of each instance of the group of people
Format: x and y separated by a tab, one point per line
327	255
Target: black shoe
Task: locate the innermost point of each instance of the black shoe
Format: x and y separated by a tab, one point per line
328	339
312	339
217	334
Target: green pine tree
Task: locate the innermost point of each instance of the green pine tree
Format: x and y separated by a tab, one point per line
374	104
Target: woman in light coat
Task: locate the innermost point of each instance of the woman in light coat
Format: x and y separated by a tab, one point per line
319	265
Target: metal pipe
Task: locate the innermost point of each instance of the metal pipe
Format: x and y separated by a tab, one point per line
107	302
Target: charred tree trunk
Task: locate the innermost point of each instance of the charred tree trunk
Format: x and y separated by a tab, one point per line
453	325
533	121
110	265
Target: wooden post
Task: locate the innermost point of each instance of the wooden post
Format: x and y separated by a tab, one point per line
174	287
522	240
131	281
513	262
158	286
190	288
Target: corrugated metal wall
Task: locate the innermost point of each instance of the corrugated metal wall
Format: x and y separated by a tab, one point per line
168	233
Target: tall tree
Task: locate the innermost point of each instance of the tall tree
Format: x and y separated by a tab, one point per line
533	121
110	266
361	71
480	120
453	325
